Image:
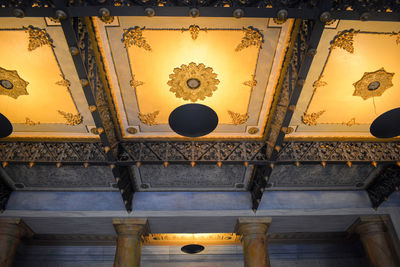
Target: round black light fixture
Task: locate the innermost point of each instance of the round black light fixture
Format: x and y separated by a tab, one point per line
192	249
387	125
374	86
5	126
193	120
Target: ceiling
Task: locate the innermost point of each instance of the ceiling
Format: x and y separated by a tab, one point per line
41	94
335	101
149	61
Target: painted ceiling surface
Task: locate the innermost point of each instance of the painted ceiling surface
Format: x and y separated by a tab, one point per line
151	60
353	79
39	89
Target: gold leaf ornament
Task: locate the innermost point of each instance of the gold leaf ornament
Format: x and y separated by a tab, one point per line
134	36
71	119
373	84
311	118
11	84
193	82
149	118
37	38
252	37
344	40
238	118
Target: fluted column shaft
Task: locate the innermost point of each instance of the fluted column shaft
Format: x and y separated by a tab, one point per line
374	239
129	242
253	233
11	231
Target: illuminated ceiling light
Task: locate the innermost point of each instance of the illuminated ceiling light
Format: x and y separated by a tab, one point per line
192	249
5	126
193	120
387	125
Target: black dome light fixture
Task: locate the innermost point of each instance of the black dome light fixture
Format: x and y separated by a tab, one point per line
5	126
387	125
192	249
193	120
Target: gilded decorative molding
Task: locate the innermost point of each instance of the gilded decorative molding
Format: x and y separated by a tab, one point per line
37	38
311	118
344	40
64	82
351	122
193	82
319	83
31	122
252	37
71	119
175	239
238	118
135	83
11	84
194	31
251	83
134	36
373	84
107	19
149	118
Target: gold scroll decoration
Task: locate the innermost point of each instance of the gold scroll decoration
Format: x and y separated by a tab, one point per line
238	118
344	40
11	84
70	118
252	37
37	38
149	118
311	118
134	36
373	84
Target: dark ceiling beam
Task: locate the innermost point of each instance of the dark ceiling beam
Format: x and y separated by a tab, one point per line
385	183
382	10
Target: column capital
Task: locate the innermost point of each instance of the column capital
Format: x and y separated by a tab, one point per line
368	225
252	225
14	227
131	226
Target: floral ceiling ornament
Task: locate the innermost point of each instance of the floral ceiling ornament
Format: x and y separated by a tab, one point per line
319	83
37	38
344	40
72	119
149	118
351	122
135	83
11	84
194	31
238	118
251	83
63	82
252	37
31	122
311	118
193	82
134	36
373	84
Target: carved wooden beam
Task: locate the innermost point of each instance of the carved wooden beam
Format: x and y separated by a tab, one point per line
385	183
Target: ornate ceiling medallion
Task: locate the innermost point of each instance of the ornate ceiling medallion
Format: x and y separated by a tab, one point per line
238	118
134	36
193	82
344	40
149	118
11	84
252	37
71	119
373	84
37	38
311	119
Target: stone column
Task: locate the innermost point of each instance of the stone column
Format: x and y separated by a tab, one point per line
372	232
129	243
253	233
11	231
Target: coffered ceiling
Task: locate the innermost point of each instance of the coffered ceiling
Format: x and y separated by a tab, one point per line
234	63
40	91
353	79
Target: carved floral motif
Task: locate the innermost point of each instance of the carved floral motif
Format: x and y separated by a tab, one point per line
149	118
194	31
63	82
134	36
252	37
11	84
31	122
205	77
37	38
344	40
135	83
71	119
238	118
379	81
311	118
251	83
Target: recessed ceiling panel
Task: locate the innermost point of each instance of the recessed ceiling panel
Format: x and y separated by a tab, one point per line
40	91
353	79
158	64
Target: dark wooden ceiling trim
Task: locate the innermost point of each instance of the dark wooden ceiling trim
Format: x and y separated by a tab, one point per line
386	182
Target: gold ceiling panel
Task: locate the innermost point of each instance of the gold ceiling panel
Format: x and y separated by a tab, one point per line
35	94
354	78
158	64
184	239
